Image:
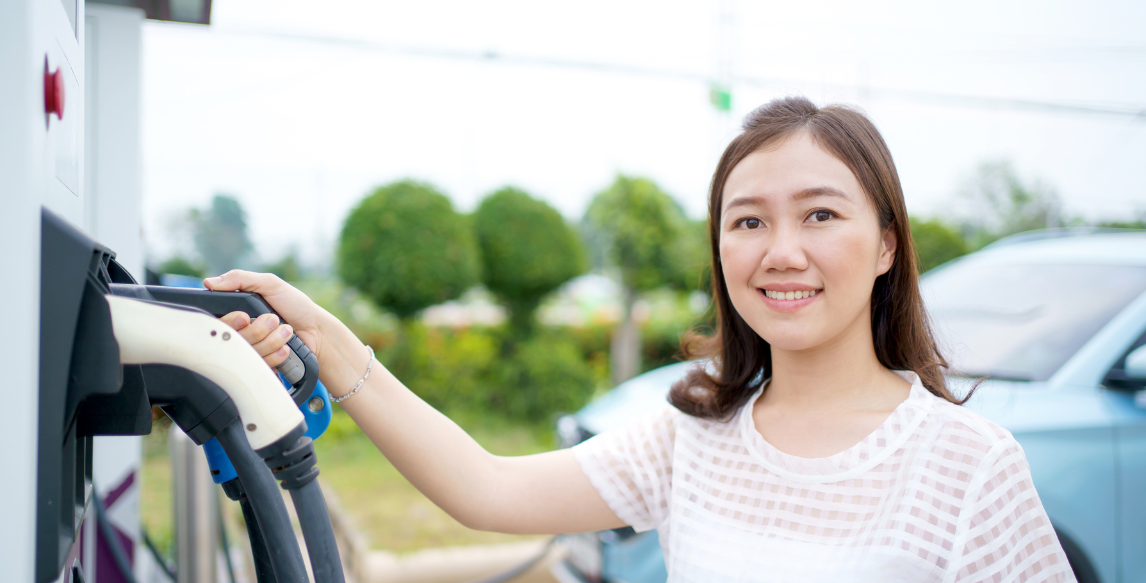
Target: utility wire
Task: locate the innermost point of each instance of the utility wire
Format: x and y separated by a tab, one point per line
118	554
160	560
911	95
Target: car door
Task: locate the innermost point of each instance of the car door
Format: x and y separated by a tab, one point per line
1067	435
1127	401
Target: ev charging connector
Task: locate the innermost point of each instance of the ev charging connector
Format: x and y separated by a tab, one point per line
106	359
289	455
149	333
152	333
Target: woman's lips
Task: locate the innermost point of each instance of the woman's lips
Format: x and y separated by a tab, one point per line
788	305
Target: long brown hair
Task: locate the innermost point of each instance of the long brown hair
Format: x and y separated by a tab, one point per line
739	359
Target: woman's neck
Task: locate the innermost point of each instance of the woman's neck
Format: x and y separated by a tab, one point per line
841	374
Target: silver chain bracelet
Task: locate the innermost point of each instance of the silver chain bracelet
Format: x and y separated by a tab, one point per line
369	365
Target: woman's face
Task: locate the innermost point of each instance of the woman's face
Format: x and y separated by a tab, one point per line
800	245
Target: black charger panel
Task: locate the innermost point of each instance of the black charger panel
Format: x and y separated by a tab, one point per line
82	385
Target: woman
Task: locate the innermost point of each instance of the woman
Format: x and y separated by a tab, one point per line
820	444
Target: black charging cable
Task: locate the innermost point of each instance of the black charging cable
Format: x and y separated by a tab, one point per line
266	505
522	568
264	571
293	462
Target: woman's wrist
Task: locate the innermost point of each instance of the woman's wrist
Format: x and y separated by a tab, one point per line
343	359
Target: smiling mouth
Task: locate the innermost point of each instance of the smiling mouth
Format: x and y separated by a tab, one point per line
792	295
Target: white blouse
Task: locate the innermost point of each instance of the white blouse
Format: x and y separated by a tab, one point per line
935	493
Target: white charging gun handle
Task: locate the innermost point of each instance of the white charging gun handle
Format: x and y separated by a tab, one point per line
151	334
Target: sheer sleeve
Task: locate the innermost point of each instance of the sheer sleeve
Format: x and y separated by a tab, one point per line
1007	534
631	467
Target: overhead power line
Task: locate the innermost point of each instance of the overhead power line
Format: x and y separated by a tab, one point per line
495	57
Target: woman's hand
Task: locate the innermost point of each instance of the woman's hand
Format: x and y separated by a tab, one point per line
267	334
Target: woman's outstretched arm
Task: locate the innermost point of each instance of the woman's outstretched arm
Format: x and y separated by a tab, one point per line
545	493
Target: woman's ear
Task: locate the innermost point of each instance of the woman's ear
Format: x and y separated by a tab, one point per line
887	249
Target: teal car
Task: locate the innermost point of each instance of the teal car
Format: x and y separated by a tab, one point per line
1056	322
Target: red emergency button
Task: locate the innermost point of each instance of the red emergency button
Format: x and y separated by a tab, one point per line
54	93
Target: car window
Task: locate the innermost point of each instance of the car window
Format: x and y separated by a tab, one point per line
1022	322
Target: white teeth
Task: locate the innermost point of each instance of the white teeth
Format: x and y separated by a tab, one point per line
797	295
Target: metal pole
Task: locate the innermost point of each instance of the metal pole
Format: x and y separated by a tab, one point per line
196	515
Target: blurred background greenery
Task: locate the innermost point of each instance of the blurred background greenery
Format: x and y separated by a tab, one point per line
512	315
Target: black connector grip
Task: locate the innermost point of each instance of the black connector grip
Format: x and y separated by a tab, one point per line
301	366
295	467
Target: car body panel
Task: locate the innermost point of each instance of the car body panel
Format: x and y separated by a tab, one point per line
1130	439
634	560
632	399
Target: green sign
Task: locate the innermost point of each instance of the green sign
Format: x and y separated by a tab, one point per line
720	97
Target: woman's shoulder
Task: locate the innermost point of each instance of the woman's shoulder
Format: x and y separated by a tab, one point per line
964	432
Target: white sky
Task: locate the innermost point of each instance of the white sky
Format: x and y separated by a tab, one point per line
300	108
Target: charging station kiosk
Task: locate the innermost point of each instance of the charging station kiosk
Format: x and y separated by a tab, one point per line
43	138
76	399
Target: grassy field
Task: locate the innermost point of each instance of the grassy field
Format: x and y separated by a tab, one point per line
155	504
384	507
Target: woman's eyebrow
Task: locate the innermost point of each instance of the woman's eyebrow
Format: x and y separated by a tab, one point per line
799	195
820	191
744	201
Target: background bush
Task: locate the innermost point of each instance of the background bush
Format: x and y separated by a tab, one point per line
936	243
179	265
473	370
546	375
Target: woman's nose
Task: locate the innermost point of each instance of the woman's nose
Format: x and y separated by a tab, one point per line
785	251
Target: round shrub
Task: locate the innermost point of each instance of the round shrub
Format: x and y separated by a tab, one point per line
406	249
527	251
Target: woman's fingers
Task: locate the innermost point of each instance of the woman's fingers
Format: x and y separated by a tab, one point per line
265	334
257	330
239	280
290	303
237	320
273	348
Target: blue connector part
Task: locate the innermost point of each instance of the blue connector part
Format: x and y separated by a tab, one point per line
317	420
221	469
317	415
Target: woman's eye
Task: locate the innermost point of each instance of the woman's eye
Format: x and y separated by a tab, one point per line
821	216
751	223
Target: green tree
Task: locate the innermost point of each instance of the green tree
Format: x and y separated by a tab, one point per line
287	267
1002	204
1137	223
936	242
693	257
405	248
527	251
180	265
220	234
643	233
